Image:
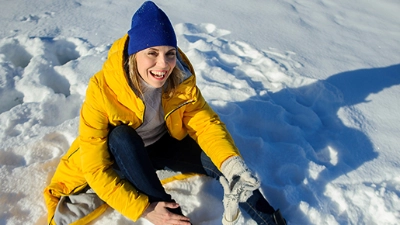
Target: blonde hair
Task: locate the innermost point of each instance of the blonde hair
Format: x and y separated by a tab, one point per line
174	79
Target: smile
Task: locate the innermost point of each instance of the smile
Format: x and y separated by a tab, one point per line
158	74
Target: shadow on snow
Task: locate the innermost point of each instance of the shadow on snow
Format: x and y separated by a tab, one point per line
304	143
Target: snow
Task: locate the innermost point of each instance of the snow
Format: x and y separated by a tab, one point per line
308	89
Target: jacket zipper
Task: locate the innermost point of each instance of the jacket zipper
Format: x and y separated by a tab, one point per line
168	114
178	107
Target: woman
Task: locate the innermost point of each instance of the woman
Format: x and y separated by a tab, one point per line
143	112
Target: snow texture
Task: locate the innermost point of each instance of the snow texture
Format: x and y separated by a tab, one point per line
308	89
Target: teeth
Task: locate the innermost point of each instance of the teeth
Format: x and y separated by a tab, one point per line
158	74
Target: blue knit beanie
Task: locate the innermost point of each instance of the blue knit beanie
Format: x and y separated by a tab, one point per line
150	27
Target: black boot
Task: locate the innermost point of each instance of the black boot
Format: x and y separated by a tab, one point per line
278	219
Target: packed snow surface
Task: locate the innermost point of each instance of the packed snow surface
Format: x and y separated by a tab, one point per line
308	89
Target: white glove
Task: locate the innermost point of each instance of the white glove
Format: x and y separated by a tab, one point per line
241	181
231	204
239	184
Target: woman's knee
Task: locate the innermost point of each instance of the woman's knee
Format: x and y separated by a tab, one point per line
123	136
123	132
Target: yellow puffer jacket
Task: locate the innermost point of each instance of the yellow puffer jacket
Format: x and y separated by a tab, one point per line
110	102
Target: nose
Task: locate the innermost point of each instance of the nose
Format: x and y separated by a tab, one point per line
162	60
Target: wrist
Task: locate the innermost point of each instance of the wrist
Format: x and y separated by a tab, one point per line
150	207
233	166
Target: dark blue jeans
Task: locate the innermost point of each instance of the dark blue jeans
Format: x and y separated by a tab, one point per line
137	164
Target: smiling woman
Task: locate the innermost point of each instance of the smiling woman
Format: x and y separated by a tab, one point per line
156	62
154	65
144	112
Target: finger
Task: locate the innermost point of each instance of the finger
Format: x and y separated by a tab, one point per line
225	184
173	215
251	181
248	177
179	223
172	205
246	188
179	219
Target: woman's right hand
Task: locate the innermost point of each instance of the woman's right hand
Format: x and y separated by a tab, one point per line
158	214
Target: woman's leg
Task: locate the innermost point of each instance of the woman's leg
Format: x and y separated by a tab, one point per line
171	154
168	153
188	157
133	163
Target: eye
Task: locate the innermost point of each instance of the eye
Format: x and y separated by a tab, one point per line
152	53
171	54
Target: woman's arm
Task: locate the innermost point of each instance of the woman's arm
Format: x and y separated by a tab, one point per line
96	161
205	126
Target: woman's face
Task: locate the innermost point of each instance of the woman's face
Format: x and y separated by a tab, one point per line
155	64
